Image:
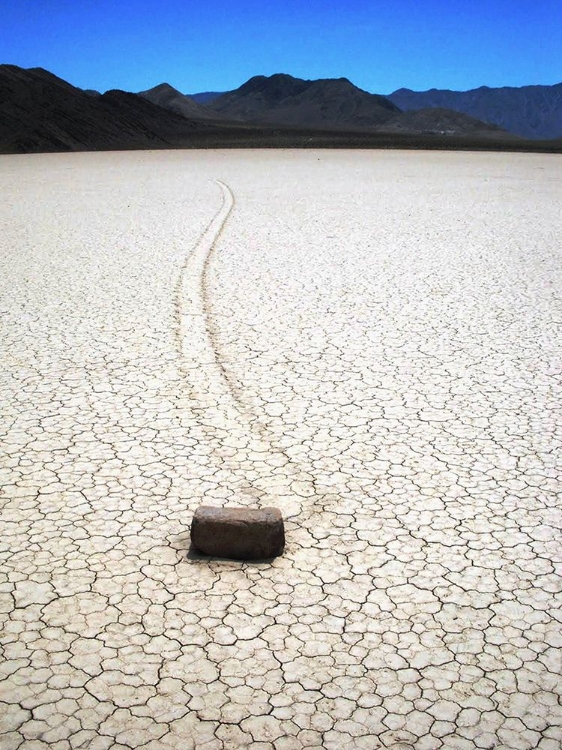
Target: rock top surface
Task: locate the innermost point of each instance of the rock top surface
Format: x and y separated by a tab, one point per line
239	533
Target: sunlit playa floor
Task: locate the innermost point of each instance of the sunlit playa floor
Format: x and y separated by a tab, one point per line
369	341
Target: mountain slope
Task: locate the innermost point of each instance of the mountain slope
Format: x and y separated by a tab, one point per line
205	97
282	99
41	112
529	111
167	96
440	121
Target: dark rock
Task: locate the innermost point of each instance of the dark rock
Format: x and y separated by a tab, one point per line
239	533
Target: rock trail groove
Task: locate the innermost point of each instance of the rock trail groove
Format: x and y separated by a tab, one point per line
222	406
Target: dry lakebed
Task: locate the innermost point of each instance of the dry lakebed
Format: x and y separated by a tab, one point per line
369	341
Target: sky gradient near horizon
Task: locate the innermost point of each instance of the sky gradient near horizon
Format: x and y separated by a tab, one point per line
380	45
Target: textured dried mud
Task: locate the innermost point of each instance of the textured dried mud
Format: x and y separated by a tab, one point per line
369	341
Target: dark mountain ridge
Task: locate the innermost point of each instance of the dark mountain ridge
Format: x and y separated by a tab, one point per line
167	96
205	97
283	99
40	112
527	111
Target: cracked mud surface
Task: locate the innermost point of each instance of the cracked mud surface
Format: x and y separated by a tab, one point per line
370	341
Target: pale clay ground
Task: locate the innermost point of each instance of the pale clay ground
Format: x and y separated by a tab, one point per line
372	344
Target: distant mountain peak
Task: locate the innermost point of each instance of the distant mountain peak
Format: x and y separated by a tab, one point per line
283	99
164	86
274	87
170	98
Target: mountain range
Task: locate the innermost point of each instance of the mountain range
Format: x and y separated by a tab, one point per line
281	99
41	112
528	111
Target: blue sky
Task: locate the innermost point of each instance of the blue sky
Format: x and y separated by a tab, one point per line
380	45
